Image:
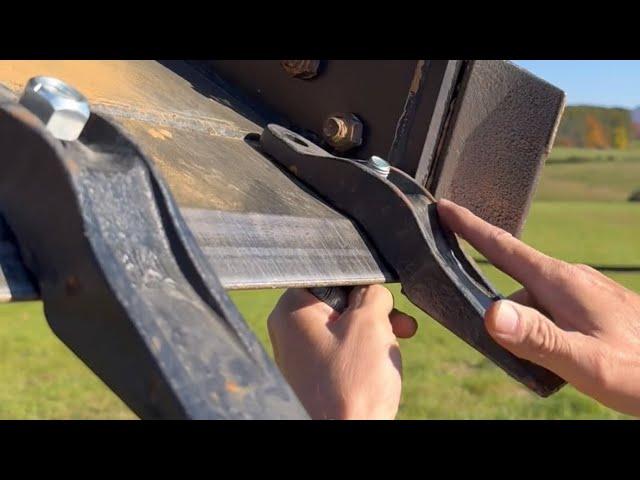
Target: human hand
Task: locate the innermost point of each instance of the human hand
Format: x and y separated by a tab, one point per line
342	366
571	319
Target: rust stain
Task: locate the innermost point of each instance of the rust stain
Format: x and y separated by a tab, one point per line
72	165
72	285
96	79
188	189
159	133
417	77
232	387
143	89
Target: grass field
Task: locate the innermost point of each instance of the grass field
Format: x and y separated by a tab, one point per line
573	174
580	214
567	154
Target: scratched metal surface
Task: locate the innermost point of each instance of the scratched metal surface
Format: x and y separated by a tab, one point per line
195	131
281	250
256	225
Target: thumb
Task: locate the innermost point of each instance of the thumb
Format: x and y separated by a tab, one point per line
530	335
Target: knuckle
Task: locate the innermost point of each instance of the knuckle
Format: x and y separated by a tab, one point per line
375	296
584	267
498	235
586	272
601	368
623	295
386	294
542	338
561	268
553	269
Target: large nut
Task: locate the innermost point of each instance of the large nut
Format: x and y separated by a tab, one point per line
343	131
304	69
62	109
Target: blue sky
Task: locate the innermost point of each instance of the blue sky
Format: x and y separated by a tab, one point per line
609	83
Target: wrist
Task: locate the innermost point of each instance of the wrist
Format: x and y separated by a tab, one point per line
363	409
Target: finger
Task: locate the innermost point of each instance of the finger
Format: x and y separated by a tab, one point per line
299	311
375	298
299	298
523	297
595	275
536	271
528	334
403	325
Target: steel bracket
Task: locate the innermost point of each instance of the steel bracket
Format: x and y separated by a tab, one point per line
124	284
400	219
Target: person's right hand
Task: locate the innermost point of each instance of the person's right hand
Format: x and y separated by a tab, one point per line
570	319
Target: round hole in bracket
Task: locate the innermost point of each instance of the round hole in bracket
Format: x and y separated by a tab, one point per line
297	140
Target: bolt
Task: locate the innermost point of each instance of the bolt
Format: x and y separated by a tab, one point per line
304	69
63	110
379	166
343	131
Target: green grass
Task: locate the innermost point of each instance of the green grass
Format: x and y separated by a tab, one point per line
41	378
580	174
443	377
605	233
579	215
568	154
589	181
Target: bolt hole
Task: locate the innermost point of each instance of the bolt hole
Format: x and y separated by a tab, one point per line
296	140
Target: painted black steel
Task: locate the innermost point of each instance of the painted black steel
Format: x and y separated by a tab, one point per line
400	218
123	281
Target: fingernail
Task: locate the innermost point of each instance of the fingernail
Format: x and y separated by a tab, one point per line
506	319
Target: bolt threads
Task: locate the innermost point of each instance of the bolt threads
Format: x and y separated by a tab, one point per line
379	166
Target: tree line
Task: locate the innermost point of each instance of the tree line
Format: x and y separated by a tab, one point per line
595	127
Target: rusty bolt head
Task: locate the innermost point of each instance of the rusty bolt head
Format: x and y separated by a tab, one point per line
63	110
343	131
304	69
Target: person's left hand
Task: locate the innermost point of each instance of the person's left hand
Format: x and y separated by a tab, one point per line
342	366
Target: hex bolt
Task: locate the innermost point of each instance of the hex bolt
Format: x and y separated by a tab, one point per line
63	110
303	69
343	131
379	166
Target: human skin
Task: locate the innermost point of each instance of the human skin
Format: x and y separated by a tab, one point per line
568	318
342	366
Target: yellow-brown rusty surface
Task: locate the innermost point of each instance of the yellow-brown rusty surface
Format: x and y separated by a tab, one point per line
253	222
189	134
145	87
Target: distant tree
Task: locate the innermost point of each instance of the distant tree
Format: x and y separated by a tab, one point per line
575	127
564	142
595	137
620	137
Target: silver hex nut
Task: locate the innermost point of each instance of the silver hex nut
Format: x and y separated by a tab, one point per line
63	110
